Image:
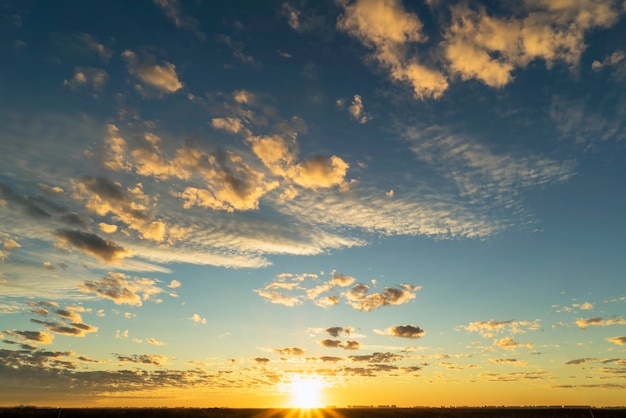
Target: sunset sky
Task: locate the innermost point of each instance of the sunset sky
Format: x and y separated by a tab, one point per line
309	203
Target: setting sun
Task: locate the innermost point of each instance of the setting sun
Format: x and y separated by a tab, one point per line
306	392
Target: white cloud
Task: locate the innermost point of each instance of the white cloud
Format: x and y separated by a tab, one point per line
357	112
198	319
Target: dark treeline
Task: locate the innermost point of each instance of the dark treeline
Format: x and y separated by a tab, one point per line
487	412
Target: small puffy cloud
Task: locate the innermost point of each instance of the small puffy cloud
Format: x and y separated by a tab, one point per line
600	322
320	172
87	77
197	319
359	298
342	280
107	228
232	125
389	30
346	345
617	340
614	59
289	351
587	306
357	112
103	51
261	360
92	244
174	284
581	361
121	289
51	189
11	245
403	331
35	337
507	343
510	361
154	341
336	331
160	77
327	301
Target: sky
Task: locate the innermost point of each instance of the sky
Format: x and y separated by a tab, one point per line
308	203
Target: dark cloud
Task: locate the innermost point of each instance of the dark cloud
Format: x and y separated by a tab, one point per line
359	298
75	329
336	331
351	345
403	331
93	245
150	359
27	204
289	351
261	360
331	343
37	337
582	360
377	358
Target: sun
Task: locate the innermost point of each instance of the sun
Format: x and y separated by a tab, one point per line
306	392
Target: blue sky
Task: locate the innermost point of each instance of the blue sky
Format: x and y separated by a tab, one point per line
233	204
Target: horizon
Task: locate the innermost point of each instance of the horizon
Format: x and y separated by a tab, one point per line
300	203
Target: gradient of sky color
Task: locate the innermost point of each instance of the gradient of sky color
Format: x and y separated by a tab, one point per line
415	203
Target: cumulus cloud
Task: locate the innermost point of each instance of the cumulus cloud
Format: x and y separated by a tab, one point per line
357	111
600	322
389	30
122	289
358	296
617	340
129	206
278	298
404	331
162	77
36	337
87	77
346	345
198	319
289	351
507	343
92	244
232	125
489	48
336	331
488	329
154	341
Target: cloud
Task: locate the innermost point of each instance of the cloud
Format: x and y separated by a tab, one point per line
148	359
600	322
489	48
390	31
87	77
232	125
198	319
121	289
238	51
92	244
336	331
104	197
511	361
581	360
357	112
358	298
278	298
404	331
612	60
261	360
104	52
488	329
36	337
617	340
507	343
174	284
181	20
154	341
347	345
377	357
11	245
289	351
74	329
163	77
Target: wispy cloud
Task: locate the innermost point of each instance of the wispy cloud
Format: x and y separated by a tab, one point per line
599	322
488	329
122	289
